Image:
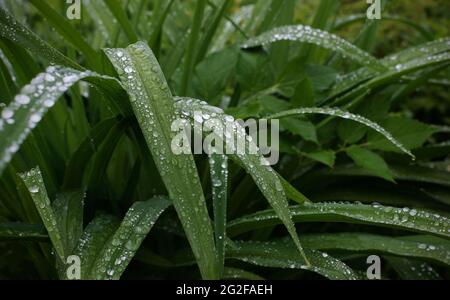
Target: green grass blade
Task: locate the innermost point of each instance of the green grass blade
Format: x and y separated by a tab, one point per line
157	23
11	29
103	19
399	70
351	19
35	184
77	163
22	232
213	27
327	10
22	115
68	210
219	180
292	193
102	157
385	216
422	270
233	273
317	37
118	252
191	48
413	53
264	176
67	31
277	254
370	243
22	64
344	115
153	106
407	173
120	14
92	241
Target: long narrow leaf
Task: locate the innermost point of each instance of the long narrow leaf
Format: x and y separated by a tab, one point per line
317	37
122	246
378	215
153	105
35	184
263	175
29	107
280	255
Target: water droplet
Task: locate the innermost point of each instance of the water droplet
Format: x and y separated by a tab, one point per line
49	78
7	113
22	99
34	189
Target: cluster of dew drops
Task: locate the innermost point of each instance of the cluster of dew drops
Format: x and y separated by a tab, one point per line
33	101
305	33
233	131
405	216
145	110
35	184
132	231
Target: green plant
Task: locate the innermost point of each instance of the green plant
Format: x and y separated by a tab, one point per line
87	168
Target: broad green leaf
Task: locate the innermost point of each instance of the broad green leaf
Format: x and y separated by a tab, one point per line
254	71
378	215
317	37
277	254
68	210
35	184
374	109
326	157
264	176
370	161
345	115
153	105
304	94
218	164
411	133
415	246
22	232
302	128
213	73
22	115
119	250
322	77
